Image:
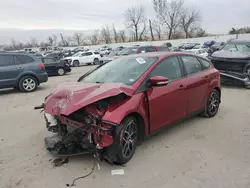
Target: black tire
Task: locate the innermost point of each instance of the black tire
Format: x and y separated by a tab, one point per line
28	84
76	63
129	140
212	104
96	61
60	71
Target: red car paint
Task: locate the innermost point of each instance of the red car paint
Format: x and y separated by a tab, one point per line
158	106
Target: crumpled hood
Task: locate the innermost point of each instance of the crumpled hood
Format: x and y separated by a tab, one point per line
229	54
69	97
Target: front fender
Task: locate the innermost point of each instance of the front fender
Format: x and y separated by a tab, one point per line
135	104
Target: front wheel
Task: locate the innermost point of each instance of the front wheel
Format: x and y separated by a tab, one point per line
129	140
212	105
76	63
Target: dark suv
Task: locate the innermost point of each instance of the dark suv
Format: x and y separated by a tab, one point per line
21	71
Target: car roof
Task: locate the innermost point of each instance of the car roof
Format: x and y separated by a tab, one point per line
155	54
16	53
236	41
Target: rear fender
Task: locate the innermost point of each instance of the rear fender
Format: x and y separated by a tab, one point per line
135	104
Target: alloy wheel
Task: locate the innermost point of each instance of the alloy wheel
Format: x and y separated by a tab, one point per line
129	139
29	84
213	103
60	72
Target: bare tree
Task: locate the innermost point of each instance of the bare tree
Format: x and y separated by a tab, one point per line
151	30
106	36
157	28
200	33
190	19
168	12
135	19
13	43
122	35
33	42
50	41
78	38
116	36
54	40
95	37
64	40
143	33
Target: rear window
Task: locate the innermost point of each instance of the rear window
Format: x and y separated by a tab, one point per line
6	60
162	49
24	59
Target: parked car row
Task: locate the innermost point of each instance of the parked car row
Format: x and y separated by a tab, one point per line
26	71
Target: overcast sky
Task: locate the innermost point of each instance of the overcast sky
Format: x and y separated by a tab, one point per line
218	15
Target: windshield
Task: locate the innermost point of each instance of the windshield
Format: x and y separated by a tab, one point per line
77	54
126	71
197	47
113	53
128	51
237	47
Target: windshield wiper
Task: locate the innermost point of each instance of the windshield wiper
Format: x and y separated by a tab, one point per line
99	82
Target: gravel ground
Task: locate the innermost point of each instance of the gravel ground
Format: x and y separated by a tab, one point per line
198	153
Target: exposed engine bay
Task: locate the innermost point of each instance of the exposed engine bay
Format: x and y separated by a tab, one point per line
84	131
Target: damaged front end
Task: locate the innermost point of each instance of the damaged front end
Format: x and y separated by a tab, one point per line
233	69
82	131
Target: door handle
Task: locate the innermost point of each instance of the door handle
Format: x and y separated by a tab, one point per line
20	68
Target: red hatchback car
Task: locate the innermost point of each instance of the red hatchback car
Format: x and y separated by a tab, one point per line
109	110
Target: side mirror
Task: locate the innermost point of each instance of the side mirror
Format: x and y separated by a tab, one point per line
158	81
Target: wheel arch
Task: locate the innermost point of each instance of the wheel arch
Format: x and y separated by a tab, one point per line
141	124
219	91
27	74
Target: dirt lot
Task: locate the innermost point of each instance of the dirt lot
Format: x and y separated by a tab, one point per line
206	153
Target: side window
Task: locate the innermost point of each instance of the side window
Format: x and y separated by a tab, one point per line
6	60
24	59
83	54
191	64
162	49
142	50
205	64
150	49
89	53
96	53
49	61
169	68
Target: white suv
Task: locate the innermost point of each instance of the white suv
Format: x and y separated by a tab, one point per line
84	58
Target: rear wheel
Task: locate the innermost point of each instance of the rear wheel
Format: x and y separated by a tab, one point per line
28	84
129	140
60	72
96	61
212	105
76	63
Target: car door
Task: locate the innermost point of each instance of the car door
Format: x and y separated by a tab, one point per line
82	58
50	65
196	82
9	71
89	57
167	103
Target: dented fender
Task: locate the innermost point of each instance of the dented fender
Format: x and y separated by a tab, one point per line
135	104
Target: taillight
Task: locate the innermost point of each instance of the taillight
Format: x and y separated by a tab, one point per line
41	66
